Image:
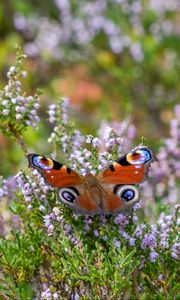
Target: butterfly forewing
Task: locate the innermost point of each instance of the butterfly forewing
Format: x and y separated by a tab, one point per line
54	173
131	168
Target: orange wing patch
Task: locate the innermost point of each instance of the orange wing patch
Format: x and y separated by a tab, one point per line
60	178
112	203
54	173
89	200
130	174
133	157
86	204
131	168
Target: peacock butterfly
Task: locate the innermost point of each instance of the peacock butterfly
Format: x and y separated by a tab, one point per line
112	191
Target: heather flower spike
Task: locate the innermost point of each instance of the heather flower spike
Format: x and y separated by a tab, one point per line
17	109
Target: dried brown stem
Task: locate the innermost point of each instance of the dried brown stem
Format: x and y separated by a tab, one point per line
3	296
135	284
18	138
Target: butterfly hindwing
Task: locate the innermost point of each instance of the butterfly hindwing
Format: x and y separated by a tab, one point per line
119	198
79	199
54	173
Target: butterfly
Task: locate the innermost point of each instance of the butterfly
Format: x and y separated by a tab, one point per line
112	191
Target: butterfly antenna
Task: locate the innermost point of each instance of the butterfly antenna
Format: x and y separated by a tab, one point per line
143	140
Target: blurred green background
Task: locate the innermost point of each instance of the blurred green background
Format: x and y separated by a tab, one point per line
113	59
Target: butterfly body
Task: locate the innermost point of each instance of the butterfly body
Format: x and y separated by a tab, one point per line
111	192
92	191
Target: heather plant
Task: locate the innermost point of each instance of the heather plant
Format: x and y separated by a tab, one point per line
17	109
50	252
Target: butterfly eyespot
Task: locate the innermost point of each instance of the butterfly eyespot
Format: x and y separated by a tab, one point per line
42	162
127	193
139	156
68	195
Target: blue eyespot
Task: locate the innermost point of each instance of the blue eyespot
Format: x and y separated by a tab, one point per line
127	195
68	195
38	162
147	155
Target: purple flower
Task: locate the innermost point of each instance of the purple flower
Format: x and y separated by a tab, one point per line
50	228
96	142
132	241
67	230
29	207
135	219
149	240
105	238
136	51
160	277
125	234
55	296
52	113
96	232
102	218
153	256
74	240
121	219
175	250
117	243
5	112
17	104
42	208
3	188
76	296
164	243
47	220
56	211
46	295
25	186
137	206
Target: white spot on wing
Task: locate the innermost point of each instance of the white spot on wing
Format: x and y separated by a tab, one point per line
137	167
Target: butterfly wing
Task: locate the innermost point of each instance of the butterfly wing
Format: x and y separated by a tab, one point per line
119	198
55	174
132	168
119	180
72	189
80	199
